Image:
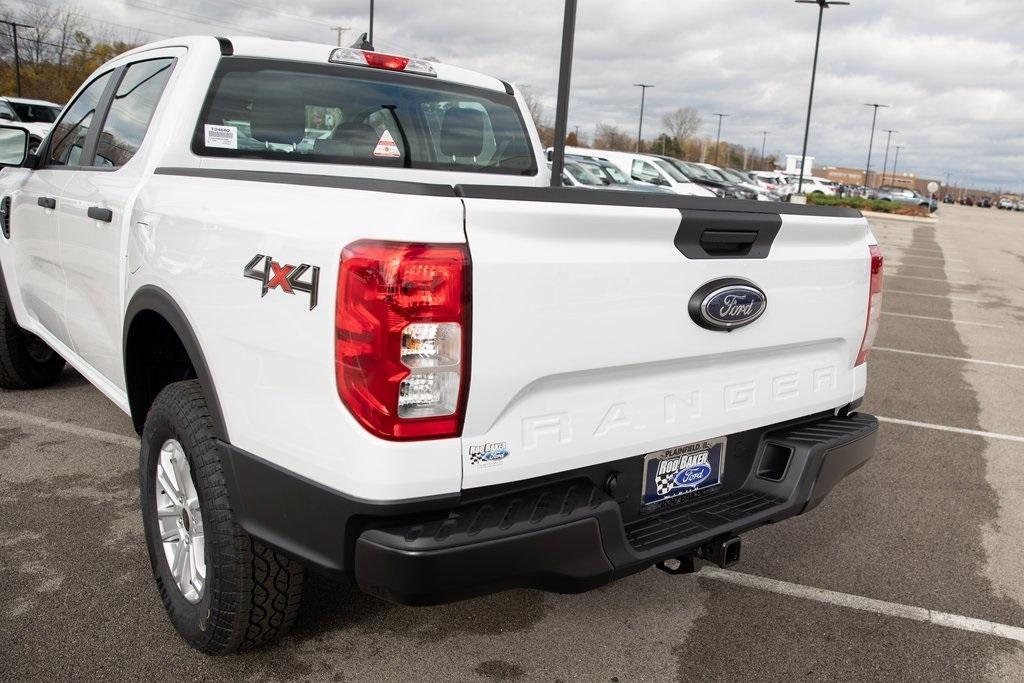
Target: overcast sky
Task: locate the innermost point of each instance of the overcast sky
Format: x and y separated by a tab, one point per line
952	70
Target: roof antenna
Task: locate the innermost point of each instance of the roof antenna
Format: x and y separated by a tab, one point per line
562	105
362	43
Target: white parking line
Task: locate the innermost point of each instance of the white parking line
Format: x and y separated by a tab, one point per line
945	320
933	252
858	602
69	428
954	430
936	296
1012	366
907	257
932	279
898	264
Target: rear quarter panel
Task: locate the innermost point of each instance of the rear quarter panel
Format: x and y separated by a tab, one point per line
271	357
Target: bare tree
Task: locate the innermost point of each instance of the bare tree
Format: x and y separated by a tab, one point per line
611	137
534	105
682	123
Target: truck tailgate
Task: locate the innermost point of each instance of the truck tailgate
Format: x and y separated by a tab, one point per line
583	350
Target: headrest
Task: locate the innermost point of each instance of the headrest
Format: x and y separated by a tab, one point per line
462	132
278	116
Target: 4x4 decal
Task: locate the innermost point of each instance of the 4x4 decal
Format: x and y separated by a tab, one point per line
273	275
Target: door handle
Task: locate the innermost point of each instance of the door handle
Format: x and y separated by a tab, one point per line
100	214
47	202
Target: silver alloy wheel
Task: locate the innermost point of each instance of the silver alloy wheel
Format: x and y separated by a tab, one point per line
180	521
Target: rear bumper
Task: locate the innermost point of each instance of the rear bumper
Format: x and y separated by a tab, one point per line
570	534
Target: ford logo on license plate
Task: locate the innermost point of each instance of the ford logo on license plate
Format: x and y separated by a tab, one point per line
727	304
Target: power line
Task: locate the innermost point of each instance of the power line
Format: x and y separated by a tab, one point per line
261	8
198	18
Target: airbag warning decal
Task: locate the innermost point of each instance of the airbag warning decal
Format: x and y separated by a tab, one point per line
386	147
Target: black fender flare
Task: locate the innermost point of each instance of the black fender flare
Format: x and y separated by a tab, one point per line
6	296
155	299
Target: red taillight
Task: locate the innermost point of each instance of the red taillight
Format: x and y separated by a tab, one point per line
402	337
874	305
380	60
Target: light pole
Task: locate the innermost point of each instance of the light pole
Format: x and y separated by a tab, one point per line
885	164
871	142
718	137
822	6
562	103
764	142
640	129
371	22
895	162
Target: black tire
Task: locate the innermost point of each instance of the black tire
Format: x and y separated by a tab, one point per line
26	362
251	593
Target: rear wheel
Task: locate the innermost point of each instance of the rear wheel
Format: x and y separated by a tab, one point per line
223	590
26	362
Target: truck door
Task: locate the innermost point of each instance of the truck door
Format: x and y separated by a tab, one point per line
95	215
35	209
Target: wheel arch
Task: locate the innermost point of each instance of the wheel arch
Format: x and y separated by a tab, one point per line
147	306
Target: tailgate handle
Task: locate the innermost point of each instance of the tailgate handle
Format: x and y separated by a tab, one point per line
724	234
737	242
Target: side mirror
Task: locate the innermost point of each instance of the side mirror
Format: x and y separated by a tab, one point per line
13	146
6	116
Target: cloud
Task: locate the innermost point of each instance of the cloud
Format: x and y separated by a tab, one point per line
953	72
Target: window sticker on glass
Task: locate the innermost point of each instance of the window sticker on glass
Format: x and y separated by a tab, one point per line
386	146
225	137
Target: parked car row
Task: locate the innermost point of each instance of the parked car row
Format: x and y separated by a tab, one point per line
985	202
607	169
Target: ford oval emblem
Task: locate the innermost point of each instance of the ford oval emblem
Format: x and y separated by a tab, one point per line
727	304
693	476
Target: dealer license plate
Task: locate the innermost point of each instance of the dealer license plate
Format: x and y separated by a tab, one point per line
682	470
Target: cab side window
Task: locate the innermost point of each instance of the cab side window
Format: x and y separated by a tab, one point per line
131	111
68	137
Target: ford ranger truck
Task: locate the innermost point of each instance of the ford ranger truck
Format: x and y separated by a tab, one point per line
358	332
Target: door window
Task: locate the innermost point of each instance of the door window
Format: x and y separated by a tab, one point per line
68	137
645	172
131	110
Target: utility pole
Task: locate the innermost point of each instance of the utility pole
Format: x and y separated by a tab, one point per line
640	129
885	164
764	142
871	142
371	22
718	137
17	57
340	30
822	6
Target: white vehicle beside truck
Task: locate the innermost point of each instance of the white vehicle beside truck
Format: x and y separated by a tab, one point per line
35	116
397	354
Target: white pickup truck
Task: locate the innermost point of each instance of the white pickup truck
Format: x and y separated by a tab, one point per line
359	332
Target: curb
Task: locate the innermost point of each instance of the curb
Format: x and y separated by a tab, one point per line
897	217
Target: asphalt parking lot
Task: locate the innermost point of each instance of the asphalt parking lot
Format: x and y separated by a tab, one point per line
913	568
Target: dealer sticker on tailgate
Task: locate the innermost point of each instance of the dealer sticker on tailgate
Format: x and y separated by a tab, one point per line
681	470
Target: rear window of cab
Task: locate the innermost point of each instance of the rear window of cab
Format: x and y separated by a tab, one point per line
335	114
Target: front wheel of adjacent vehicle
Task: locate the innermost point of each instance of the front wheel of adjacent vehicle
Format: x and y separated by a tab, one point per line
26	362
224	590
